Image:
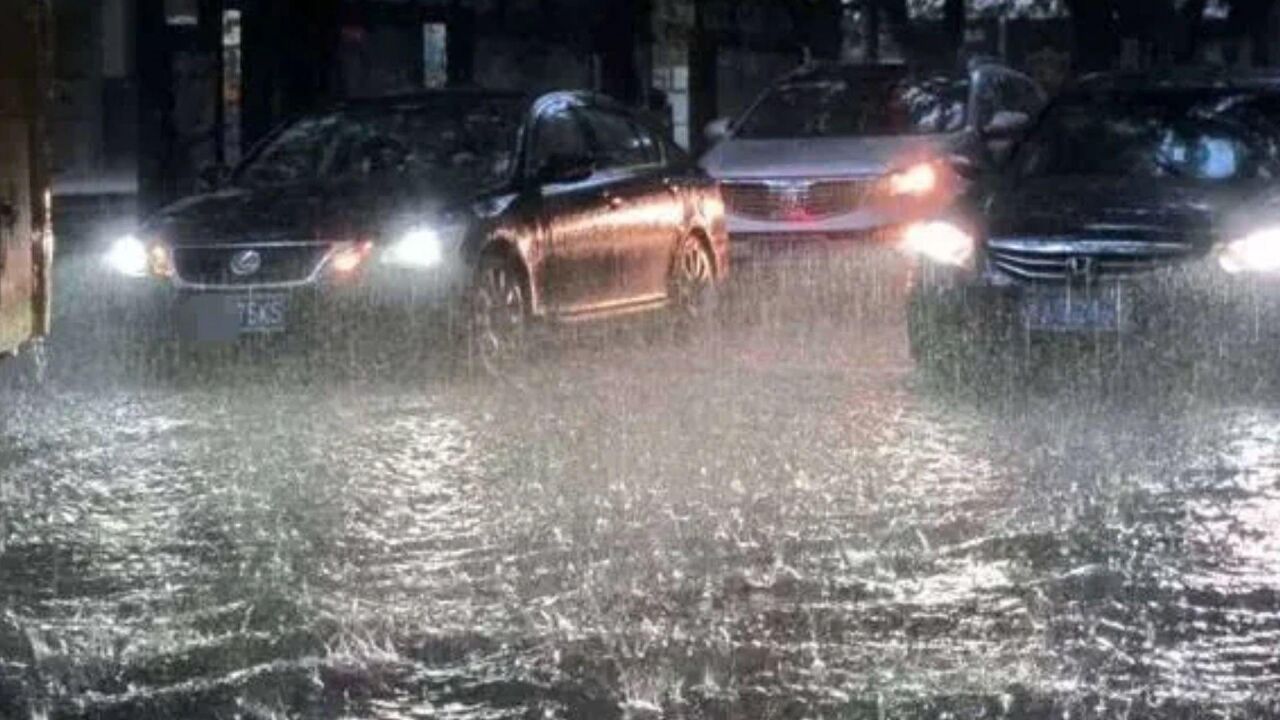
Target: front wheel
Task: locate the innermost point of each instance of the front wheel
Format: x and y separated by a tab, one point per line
29	369
498	315
693	284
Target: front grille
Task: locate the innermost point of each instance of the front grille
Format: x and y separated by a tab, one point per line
1083	261
795	200
279	264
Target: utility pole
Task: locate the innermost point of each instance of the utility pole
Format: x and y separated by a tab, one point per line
871	29
704	91
157	136
624	26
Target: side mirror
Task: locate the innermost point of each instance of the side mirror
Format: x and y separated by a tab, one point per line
566	168
1006	124
717	130
211	177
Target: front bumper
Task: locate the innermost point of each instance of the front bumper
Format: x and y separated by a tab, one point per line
756	240
1193	306
378	300
808	247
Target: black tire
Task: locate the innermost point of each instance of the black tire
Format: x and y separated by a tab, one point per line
694	291
28	370
498	316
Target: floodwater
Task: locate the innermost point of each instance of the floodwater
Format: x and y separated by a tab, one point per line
779	518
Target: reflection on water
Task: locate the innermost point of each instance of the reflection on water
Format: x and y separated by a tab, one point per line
777	520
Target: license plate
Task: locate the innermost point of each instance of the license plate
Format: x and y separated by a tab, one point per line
1071	313
261	313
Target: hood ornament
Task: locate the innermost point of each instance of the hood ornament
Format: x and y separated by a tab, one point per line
1081	267
246	263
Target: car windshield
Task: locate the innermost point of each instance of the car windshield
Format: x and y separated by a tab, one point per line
470	140
858	105
1207	137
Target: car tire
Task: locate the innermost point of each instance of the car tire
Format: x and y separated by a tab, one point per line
28	370
498	316
693	283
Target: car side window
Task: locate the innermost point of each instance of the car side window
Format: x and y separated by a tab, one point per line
620	143
557	133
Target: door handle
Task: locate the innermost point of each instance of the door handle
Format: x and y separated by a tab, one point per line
616	202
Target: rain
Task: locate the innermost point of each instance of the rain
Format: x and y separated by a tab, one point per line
777	495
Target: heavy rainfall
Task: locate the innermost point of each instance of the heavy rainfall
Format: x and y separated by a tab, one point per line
639	359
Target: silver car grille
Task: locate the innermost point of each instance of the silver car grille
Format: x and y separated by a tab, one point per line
1083	260
277	264
795	199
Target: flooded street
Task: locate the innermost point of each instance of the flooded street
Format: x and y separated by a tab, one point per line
778	518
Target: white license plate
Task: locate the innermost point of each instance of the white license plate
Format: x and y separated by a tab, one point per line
262	313
1071	312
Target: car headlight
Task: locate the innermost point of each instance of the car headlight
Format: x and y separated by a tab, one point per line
1256	252
940	241
128	256
916	181
418	248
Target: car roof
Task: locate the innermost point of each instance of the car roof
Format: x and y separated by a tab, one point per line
1187	79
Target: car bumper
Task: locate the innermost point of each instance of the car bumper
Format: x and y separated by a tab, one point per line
808	247
1196	306
753	239
384	301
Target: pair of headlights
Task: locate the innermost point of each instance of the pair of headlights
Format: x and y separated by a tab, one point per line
420	248
947	243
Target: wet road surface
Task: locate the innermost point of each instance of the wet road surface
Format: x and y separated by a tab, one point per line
779	518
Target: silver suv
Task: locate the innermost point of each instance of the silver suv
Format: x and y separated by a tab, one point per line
839	151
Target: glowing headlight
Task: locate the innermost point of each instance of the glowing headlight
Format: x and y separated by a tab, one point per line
940	241
1257	252
128	256
916	181
420	248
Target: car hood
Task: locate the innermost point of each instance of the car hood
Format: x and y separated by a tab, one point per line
734	159
1155	210
295	213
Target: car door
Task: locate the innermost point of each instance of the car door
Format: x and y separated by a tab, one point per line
644	211
576	275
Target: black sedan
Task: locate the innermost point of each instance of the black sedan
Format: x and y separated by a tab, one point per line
497	208
1139	208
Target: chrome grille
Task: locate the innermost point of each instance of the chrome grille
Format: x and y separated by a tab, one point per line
280	263
795	200
1083	260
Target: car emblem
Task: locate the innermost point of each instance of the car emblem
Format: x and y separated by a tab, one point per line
1080	267
792	198
246	263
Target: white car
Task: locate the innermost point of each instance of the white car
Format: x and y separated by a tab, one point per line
843	151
